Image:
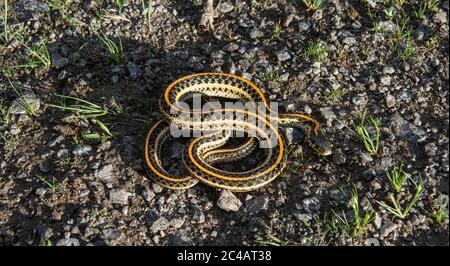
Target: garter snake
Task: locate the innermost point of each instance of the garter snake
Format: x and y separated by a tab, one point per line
207	149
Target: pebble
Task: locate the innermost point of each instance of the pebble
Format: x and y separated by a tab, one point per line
255	33
228	201
58	61
387	228
404	129
111	233
18	106
440	17
134	70
349	41
148	194
303	26
327	113
283	56
41	191
119	196
390	101
106	173
225	7
385	80
156	188
81	149
359	100
257	204
388	70
431	149
311	204
301	216
160	225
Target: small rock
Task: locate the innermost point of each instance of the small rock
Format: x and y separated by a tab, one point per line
58	61
255	33
377	221
157	188
302	216
228	201
327	113
41	191
56	141
255	205
106	173
349	41
388	70
404	129
311	204
20	105
111	234
385	80
440	17
390	101
148	194
359	99
81	149
225	7
160	225
387	228
61	153
119	196
134	70
303	26
431	149
365	157
283	56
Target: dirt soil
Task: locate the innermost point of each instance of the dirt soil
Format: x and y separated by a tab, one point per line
335	63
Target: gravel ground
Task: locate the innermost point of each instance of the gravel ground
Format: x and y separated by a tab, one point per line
58	188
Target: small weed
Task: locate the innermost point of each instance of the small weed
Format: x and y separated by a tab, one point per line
39	53
147	10
23	101
396	177
359	223
5	115
117	108
99	137
336	91
257	4
313	4
53	185
396	209
317	49
83	108
58	4
115	51
271	75
46	243
119	5
440	212
370	142
390	13
407	50
277	32
271	236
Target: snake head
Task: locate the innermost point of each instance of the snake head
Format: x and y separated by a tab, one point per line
320	143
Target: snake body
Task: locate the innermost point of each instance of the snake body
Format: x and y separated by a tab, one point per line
206	150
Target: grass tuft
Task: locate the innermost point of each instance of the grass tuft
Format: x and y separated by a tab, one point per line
396	209
83	108
53	185
313	4
115	50
317	49
396	177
